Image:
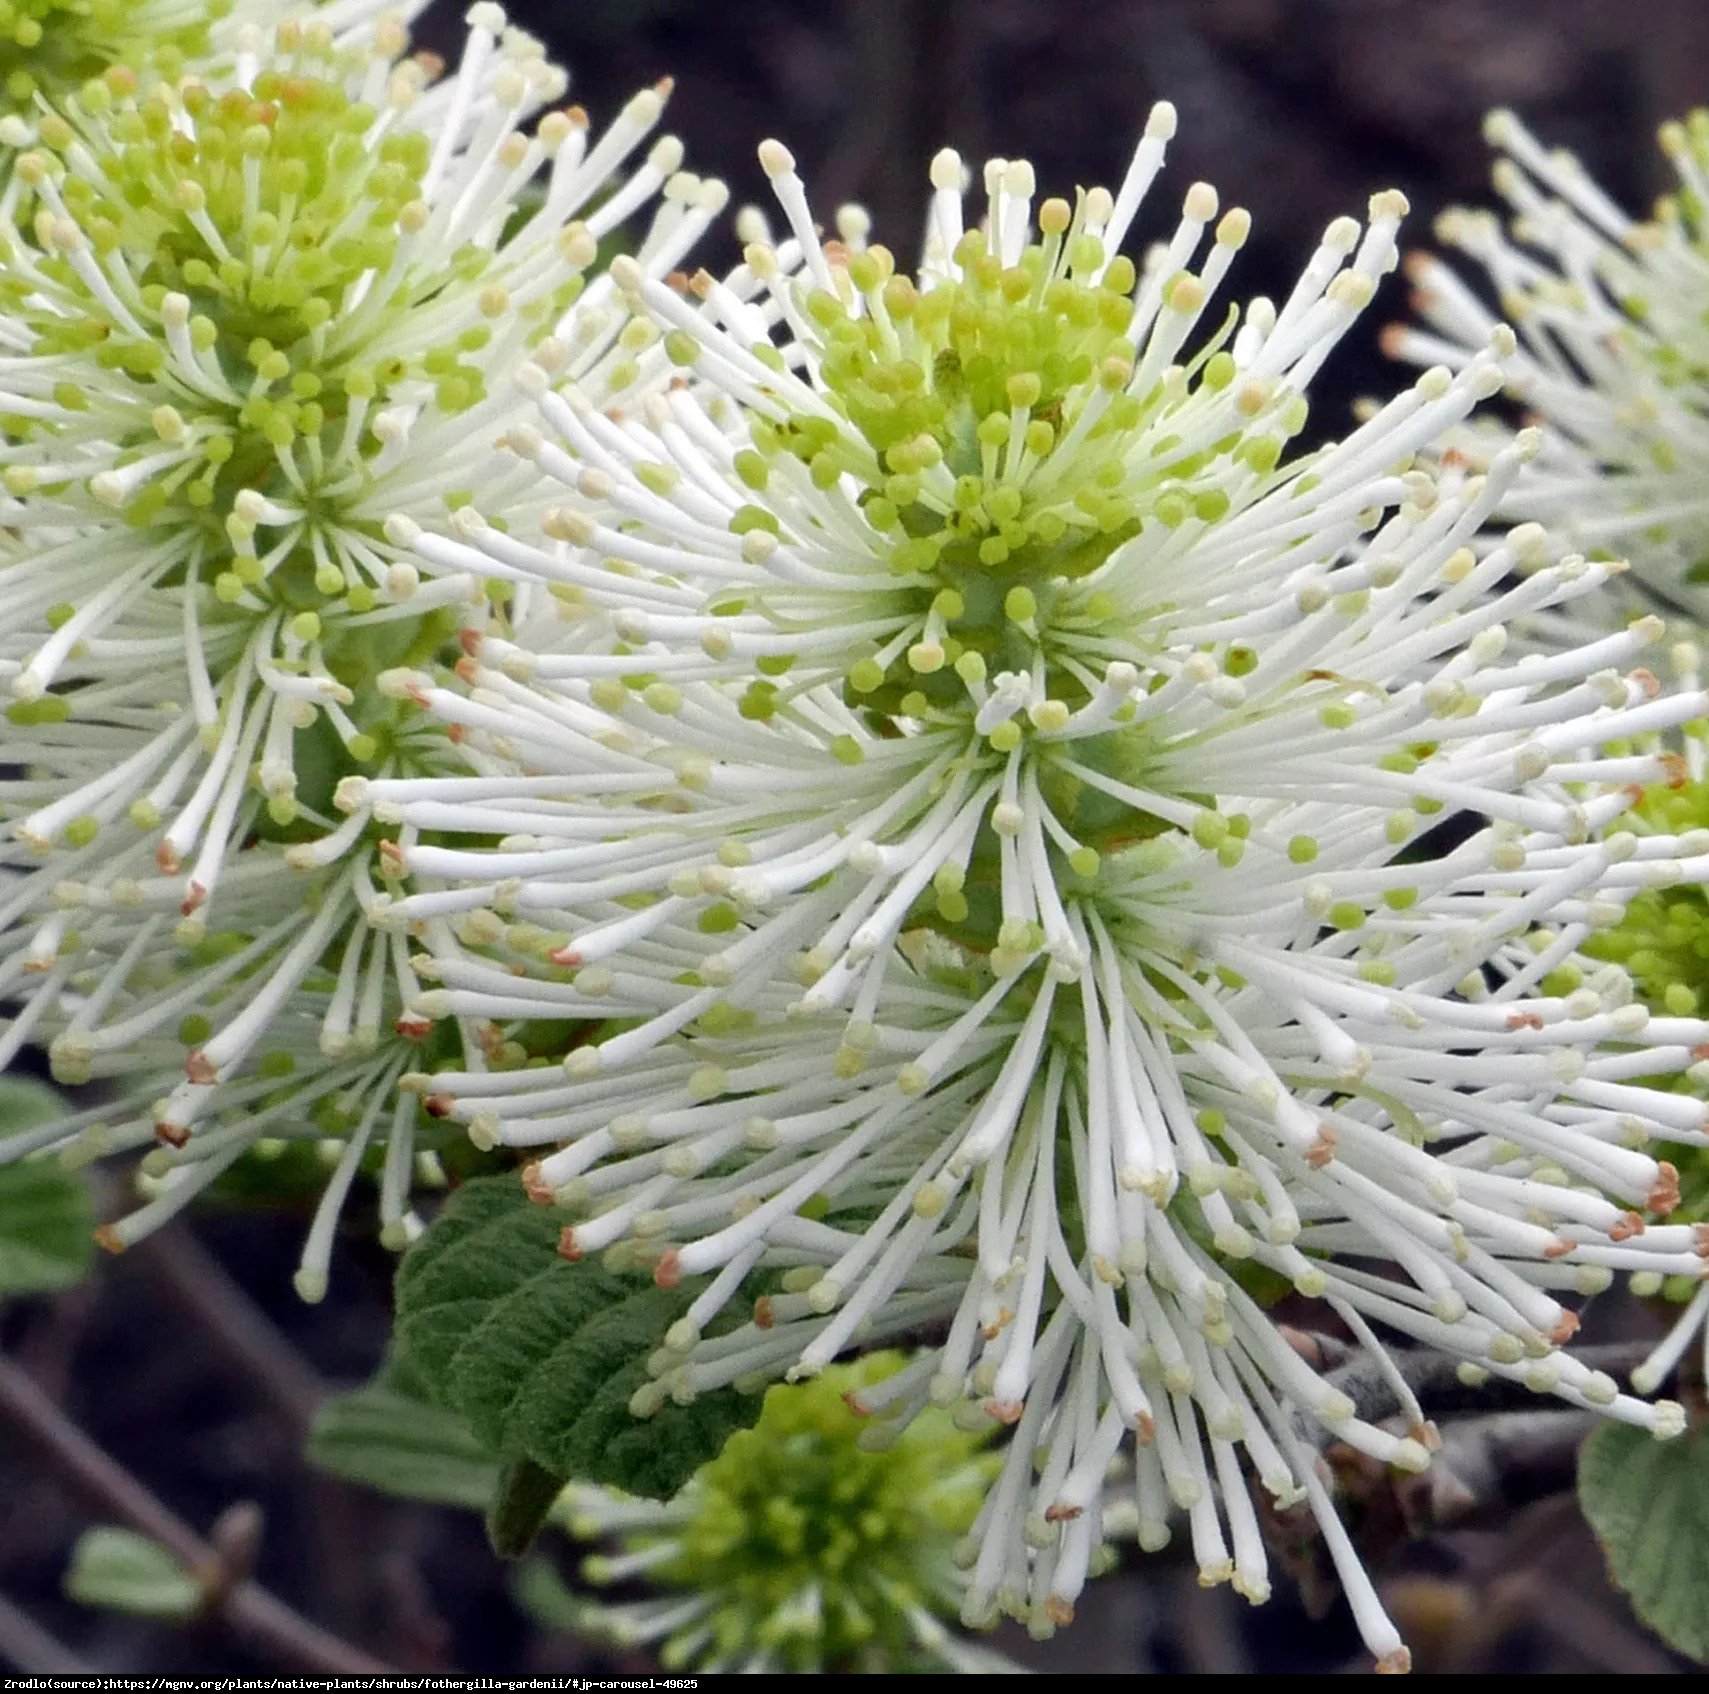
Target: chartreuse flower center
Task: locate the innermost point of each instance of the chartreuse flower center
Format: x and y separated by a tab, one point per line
1004	447
245	222
237	307
50	47
1663	939
1007	433
815	1544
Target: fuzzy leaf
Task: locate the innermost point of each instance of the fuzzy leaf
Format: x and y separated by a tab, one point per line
541	1356
1648	1502
526	1494
389	1438
118	1570
518	1337
47	1221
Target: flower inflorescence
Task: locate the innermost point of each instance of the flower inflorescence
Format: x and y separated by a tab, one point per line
1009	884
1611	359
250	312
919	784
818	1540
1608	310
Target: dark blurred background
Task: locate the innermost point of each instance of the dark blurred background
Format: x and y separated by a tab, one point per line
191	1362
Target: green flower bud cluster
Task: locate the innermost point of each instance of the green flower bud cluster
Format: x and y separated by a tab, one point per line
1663	939
818	1540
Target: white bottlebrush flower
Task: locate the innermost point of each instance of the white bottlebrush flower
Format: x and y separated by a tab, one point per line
244	319
1613	354
1613	361
987	785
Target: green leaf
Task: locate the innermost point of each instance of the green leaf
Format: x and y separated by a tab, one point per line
120	1571
526	1494
541	1356
541	1313
47	1220
387	1436
1648	1502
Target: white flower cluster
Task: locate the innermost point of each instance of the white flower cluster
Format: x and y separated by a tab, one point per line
1041	864
919	785
1613	360
1613	351
248	314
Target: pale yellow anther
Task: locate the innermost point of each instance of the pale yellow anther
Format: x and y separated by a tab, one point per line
1185	294
1234	227
946	171
776	160
1200	203
644	109
1342	236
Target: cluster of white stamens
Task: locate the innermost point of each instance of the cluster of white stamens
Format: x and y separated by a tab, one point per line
244	317
974	787
1612	351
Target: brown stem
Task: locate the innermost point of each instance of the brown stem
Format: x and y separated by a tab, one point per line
1492	1465
112	1492
1434	1378
28	1648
